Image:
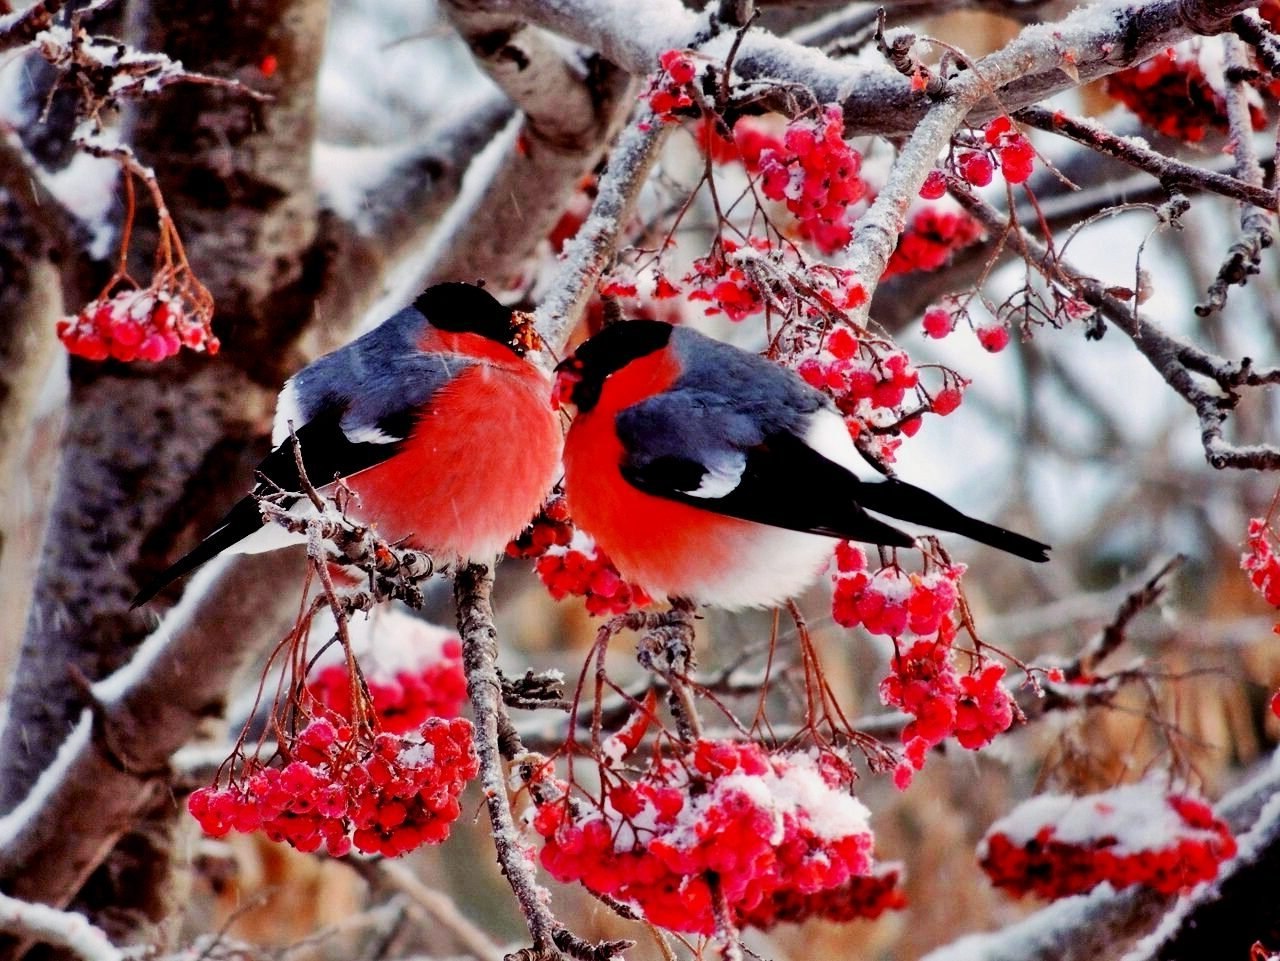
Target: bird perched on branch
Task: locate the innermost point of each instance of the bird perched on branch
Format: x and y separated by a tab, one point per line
707	472
435	421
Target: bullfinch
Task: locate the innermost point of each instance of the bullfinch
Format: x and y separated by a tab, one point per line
436	422
709	473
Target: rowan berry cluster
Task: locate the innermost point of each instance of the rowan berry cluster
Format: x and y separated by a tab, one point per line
410	675
916	611
765	826
1056	845
388	795
864	896
932	236
582	569
1171	93
815	173
551	528
1263	565
1261	562
669	88
721	279
136	325
738	280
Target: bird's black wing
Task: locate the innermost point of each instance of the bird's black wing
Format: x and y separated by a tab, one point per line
697	448
327	453
704	452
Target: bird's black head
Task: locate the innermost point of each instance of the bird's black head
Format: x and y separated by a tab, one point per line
470	309
580	378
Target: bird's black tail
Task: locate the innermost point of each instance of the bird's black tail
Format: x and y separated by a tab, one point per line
241	521
908	503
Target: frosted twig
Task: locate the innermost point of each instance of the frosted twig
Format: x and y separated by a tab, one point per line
473	586
1176	361
1255	223
1102	38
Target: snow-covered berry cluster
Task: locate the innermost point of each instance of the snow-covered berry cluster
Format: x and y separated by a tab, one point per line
1056	845
815	173
890	601
412	670
721	279
916	611
738	280
136	325
389	796
669	88
582	569
876	387
763	825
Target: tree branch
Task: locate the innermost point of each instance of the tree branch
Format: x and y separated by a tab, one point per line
115	764
571	108
39	922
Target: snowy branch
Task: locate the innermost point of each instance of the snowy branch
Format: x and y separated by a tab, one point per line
570	107
1209	383
1100	40
39	922
592	249
115	764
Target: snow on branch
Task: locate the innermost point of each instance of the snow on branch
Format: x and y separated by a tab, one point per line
571	107
116	764
591	250
62	929
1084	46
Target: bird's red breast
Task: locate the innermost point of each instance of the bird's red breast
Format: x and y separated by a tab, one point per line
667	547
479	462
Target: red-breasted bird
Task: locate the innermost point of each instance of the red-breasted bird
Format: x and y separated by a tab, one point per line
434	419
707	472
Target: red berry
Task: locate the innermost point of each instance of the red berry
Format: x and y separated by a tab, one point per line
976	168
994	338
938	322
934	186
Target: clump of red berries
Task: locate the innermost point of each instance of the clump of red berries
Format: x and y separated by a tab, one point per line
722	280
337	790
932	236
136	325
815	173
580	568
551	528
864	896
669	88
412	671
1261	562
1172	94
764	825
1012	149
1056	846
916	610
